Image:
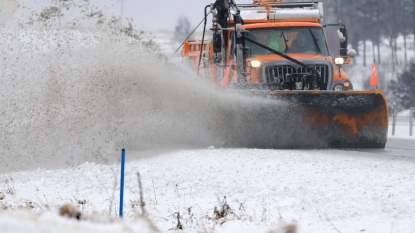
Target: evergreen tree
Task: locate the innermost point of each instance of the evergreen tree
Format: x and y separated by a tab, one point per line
403	90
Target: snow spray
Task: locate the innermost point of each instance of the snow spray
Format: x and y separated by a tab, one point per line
78	85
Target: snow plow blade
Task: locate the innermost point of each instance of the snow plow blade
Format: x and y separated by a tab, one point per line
304	120
346	119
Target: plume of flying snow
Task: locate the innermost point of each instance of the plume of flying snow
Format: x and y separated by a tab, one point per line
79	85
7	9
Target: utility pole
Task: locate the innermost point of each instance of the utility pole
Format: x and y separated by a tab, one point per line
413	15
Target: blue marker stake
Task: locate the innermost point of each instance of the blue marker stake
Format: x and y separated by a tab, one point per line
122	181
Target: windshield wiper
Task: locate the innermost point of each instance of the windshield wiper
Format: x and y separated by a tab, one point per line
315	41
313	70
285	41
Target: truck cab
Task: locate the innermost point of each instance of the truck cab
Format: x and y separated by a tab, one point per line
290	53
305	42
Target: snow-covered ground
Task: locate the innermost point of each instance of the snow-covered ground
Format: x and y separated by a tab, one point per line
402	128
318	190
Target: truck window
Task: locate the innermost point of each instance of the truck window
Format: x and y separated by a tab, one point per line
310	40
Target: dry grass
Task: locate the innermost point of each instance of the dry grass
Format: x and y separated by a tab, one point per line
291	228
10	190
29	205
8	181
223	210
70	211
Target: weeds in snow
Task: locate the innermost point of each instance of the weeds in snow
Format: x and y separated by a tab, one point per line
134	204
81	203
112	203
154	191
140	187
280	218
223	210
2	206
29	205
10	190
179	225
176	190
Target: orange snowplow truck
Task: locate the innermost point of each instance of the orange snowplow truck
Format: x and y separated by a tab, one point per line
279	49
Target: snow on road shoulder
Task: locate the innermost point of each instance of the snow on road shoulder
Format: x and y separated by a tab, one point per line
402	130
319	190
23	222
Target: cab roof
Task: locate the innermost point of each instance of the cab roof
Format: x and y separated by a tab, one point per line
281	24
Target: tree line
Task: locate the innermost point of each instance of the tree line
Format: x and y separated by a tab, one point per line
380	22
372	20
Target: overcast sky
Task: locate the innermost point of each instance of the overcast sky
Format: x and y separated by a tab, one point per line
150	15
163	14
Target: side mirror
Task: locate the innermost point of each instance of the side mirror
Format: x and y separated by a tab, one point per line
341	36
351	53
343	40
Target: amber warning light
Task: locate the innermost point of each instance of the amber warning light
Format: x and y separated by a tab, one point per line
266	1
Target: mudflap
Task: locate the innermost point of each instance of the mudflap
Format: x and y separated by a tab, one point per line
340	119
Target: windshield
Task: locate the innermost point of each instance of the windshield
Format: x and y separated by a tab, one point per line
308	40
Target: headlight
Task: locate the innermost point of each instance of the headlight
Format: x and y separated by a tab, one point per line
255	64
338	87
339	61
346	85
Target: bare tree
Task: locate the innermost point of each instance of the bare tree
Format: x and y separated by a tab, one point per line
182	30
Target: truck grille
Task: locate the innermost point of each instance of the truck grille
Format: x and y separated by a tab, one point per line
277	74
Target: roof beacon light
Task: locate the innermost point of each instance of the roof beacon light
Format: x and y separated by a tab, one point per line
266	1
295	14
279	10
